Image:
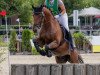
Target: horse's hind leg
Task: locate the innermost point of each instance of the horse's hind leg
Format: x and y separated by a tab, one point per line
80	59
62	59
74	56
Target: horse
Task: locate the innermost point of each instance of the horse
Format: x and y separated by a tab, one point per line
51	35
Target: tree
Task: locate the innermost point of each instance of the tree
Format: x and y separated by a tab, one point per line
72	5
24	7
89	3
13	42
78	38
26	45
80	4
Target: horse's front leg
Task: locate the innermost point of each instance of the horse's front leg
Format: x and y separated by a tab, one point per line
37	44
50	46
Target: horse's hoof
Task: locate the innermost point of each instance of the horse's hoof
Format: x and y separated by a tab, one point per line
43	53
49	54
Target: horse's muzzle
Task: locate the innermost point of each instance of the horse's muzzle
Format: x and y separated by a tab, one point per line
36	27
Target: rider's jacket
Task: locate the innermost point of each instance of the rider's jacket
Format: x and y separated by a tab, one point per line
53	6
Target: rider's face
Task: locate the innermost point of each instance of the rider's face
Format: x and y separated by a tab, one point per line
51	1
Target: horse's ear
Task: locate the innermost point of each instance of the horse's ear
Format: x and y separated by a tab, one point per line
32	6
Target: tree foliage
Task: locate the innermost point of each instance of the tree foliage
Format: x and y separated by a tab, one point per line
79	39
80	4
13	42
24	7
26	45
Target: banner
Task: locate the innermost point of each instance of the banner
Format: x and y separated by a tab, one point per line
3	13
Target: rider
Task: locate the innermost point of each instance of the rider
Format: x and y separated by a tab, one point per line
61	16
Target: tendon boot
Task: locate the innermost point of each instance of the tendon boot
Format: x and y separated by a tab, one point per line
42	52
48	52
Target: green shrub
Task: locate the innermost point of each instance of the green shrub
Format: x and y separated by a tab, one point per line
79	39
26	45
32	34
13	42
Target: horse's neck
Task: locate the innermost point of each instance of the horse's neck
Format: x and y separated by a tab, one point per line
49	17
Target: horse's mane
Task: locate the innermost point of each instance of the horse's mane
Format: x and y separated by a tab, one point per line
47	12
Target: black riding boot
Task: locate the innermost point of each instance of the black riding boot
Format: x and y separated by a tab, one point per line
73	52
70	39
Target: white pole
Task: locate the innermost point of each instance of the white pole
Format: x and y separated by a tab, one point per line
18	20
7	45
19	27
85	20
6	28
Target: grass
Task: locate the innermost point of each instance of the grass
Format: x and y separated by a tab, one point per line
2	43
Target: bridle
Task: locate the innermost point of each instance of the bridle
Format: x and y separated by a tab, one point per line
39	13
42	19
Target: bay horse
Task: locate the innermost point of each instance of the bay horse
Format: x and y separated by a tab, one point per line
51	35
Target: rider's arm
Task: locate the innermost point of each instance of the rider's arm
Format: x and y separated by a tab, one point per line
62	7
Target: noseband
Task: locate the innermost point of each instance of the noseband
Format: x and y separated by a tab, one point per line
38	13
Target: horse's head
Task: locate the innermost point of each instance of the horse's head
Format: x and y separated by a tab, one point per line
37	15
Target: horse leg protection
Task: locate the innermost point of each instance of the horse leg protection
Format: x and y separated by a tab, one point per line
42	52
48	52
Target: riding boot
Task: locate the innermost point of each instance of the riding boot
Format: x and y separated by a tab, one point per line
70	39
73	52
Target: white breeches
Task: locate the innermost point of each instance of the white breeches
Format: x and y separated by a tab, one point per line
63	20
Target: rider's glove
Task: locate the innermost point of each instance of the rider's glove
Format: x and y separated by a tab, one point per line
57	16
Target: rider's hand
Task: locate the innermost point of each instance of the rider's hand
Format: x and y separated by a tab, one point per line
57	16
